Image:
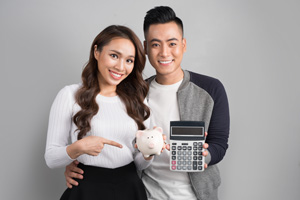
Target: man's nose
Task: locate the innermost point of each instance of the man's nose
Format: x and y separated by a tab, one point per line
164	51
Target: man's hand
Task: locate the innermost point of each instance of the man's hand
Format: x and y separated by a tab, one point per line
205	153
71	172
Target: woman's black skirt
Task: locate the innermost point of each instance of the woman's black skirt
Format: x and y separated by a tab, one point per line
99	183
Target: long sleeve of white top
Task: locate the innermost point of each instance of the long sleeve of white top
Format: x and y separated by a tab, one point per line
59	131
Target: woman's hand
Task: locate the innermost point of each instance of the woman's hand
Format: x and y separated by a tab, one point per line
90	145
93	145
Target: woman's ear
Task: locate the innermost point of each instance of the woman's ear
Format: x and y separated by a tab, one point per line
96	52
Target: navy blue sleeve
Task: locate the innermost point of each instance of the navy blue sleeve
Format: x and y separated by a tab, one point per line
218	130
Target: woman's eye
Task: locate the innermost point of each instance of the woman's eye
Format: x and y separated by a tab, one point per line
130	61
114	55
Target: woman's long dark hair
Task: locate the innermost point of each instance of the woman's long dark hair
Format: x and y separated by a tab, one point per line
132	90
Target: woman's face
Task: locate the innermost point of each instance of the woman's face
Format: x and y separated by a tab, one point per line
115	63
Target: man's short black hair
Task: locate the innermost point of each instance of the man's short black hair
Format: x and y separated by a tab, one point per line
161	15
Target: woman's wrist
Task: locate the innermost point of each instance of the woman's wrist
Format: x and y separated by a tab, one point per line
74	150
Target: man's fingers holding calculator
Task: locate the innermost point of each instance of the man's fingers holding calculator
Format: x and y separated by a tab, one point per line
205	153
166	146
205	146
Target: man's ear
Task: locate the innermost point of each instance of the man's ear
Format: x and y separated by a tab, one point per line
184	44
145	46
96	52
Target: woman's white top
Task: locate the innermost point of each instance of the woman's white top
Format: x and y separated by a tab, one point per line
111	122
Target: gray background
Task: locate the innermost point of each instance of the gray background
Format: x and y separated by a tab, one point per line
251	46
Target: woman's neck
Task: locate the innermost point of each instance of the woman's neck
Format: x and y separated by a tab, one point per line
108	91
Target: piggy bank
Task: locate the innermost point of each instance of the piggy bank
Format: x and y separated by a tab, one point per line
150	141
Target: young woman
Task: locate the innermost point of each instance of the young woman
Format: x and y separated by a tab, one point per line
101	116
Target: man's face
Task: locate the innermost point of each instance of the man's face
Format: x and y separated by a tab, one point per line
165	46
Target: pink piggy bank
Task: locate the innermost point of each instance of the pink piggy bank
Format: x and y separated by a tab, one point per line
150	141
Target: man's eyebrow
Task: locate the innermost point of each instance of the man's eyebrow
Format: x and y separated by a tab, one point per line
171	39
119	53
157	40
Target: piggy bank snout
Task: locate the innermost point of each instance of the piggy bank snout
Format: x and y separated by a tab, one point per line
151	145
152	141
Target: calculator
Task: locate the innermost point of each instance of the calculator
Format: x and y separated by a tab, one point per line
186	146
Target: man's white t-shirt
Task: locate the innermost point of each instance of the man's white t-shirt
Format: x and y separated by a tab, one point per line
159	180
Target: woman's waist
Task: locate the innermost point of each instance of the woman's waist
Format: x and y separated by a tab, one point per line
108	174
107	160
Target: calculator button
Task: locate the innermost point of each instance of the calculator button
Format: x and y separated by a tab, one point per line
173	167
189	148
200	168
200	153
179	162
179	158
195	148
189	168
173	162
184	167
200	143
184	148
179	152
195	153
194	165
179	148
189	153
178	167
173	147
184	162
184	153
189	162
199	162
195	143
173	157
195	158
199	157
189	157
173	152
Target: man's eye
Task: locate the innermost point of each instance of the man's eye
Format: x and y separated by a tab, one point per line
173	44
114	55
155	45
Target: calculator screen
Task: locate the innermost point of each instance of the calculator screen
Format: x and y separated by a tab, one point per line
187	131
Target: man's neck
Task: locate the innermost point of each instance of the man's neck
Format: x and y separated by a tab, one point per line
169	79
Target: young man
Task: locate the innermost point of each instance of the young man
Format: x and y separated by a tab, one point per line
176	94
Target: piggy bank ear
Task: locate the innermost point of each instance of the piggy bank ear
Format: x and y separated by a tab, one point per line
159	129
139	133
